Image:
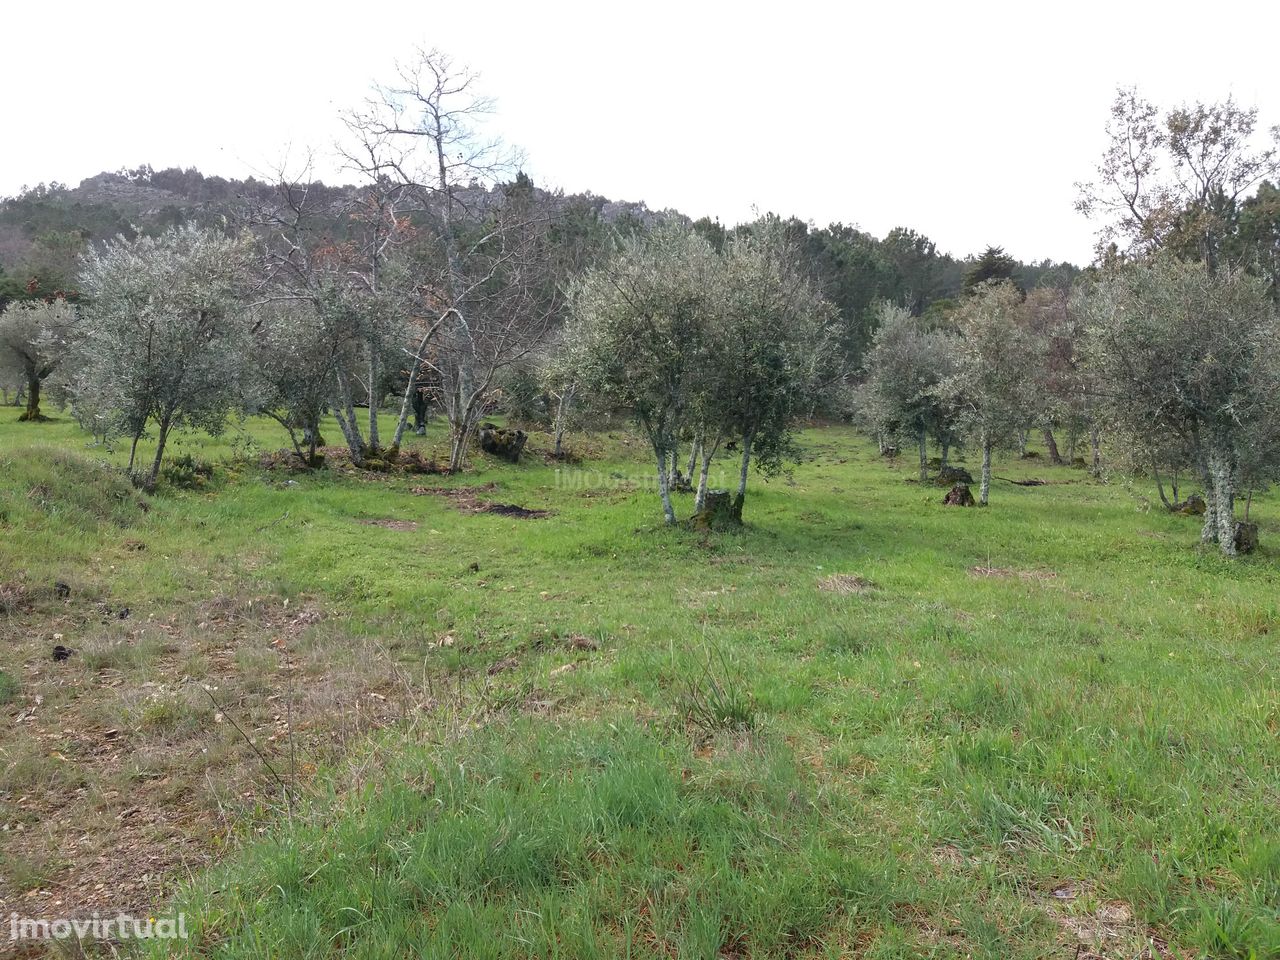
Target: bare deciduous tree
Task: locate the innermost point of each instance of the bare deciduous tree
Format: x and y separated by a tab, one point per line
480	250
1176	180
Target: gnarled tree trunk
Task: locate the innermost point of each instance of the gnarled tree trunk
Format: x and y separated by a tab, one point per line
1051	444
984	490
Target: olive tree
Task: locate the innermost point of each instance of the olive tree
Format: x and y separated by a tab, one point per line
1190	358
34	338
995	363
164	334
770	347
904	394
297	351
642	322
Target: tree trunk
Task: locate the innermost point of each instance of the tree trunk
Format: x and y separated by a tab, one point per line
344	412
161	440
700	498
374	442
693	456
133	451
1095	445
1051	444
741	496
664	491
410	399
1222	476
946	453
922	440
32	413
1209	530
985	489
563	406
1023	436
1155	472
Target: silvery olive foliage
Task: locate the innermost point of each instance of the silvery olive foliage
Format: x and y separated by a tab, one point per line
1189	359
299	347
906	396
164	334
772	348
995	362
712	346
35	336
642	320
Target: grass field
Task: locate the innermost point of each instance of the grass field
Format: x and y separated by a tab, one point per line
865	725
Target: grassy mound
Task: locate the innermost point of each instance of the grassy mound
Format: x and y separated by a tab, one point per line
49	487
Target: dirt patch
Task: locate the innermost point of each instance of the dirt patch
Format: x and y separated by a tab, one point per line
845	583
513	510
1003	572
124	766
467	500
391	524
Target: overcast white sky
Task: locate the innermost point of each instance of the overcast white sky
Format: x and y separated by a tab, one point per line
969	122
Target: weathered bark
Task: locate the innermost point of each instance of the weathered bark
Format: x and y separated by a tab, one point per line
1095	445
664	491
344	412
1023	437
922	442
563	406
1221	474
1155	472
741	496
161	440
411	393
946	453
984	490
374	442
1051	444
700	498
32	412
1209	530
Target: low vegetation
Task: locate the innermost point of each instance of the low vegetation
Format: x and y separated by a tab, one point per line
1040	728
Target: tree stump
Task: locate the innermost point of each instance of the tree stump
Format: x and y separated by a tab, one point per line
1246	537
1193	506
959	496
953	476
506	444
717	512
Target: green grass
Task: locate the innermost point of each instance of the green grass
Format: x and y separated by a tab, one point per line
1075	745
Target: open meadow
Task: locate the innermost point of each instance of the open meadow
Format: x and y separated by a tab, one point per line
864	725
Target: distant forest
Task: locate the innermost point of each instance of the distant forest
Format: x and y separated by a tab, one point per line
45	230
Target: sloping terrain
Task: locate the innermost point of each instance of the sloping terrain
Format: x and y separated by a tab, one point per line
866	725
